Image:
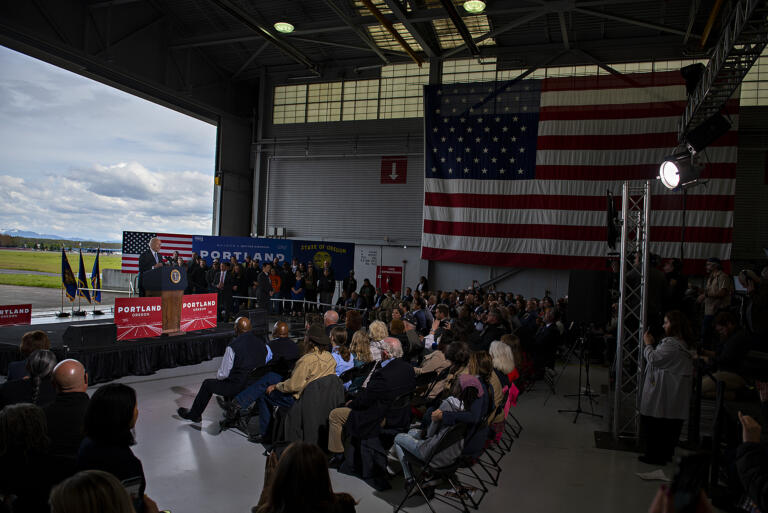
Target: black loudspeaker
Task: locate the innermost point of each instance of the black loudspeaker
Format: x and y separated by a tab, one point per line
707	132
90	335
258	318
588	297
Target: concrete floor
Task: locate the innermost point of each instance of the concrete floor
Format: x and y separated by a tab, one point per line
554	466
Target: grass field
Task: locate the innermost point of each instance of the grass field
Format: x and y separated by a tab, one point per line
46	261
50	261
31	280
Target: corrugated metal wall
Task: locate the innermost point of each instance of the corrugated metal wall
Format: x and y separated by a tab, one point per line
325	180
750	234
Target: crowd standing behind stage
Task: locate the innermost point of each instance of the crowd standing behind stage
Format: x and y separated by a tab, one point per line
480	348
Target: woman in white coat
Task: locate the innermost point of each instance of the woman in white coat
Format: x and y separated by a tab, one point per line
666	393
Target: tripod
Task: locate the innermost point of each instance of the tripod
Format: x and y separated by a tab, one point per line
587	391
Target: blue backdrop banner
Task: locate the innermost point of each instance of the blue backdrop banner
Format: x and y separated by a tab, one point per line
210	247
340	254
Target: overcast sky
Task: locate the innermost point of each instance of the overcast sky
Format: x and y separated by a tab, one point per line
82	159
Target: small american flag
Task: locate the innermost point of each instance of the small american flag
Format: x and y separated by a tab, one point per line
135	243
516	173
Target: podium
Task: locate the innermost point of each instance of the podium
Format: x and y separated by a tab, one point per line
167	283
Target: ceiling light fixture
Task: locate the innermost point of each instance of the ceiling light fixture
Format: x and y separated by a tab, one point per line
283	27
474	6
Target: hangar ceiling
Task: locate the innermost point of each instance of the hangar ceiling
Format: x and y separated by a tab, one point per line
208	57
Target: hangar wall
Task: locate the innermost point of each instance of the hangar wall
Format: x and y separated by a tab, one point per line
325	182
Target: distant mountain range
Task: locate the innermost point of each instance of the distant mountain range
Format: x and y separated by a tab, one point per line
35	235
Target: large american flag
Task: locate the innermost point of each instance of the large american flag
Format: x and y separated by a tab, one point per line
135	243
516	174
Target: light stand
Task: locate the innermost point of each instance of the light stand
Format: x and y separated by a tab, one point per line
587	391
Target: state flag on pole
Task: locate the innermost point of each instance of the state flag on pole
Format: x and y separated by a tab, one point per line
68	280
96	279
82	281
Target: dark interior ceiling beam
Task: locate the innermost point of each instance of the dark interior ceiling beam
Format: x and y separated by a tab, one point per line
564	30
250	59
111	3
357	30
695	4
387	24
246	19
631	21
133	33
429	45
597	61
520	21
455	17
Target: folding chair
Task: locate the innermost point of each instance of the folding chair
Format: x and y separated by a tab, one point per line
451	437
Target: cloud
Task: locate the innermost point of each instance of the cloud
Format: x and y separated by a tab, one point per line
104	200
82	159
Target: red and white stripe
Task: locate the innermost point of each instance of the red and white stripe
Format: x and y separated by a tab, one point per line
594	133
170	242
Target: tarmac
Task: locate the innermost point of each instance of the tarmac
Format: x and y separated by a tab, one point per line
46	302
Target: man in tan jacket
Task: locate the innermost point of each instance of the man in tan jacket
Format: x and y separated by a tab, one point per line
716	297
315	364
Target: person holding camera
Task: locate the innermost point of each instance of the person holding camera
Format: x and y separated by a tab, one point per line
666	391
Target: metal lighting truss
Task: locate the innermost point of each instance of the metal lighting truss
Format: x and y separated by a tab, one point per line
636	212
742	41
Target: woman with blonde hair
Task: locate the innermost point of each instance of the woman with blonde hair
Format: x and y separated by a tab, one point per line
377	332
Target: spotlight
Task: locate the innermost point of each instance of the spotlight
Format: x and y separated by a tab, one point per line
474	6
678	171
284	27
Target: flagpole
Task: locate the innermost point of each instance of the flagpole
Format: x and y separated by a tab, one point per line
61	312
98	276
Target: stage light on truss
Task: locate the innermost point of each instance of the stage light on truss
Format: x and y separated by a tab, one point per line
678	171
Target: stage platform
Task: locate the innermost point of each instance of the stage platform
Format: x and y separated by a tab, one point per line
113	359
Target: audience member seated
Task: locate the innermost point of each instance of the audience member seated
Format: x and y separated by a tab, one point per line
465	393
30	341
37	389
316	363
330	321
726	361
518	359
377	332
361	353
353	322
492	330
435	361
245	353
481	365
364	415
94	491
108	427
66	414
280	349
26	470
415	345
340	351
301	483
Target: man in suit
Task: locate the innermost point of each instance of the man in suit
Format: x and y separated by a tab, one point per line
264	286
223	282
66	414
362	416
150	259
245	353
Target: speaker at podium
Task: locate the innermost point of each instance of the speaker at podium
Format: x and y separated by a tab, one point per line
168	283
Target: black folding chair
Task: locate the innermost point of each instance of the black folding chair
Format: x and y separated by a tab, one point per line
427	471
